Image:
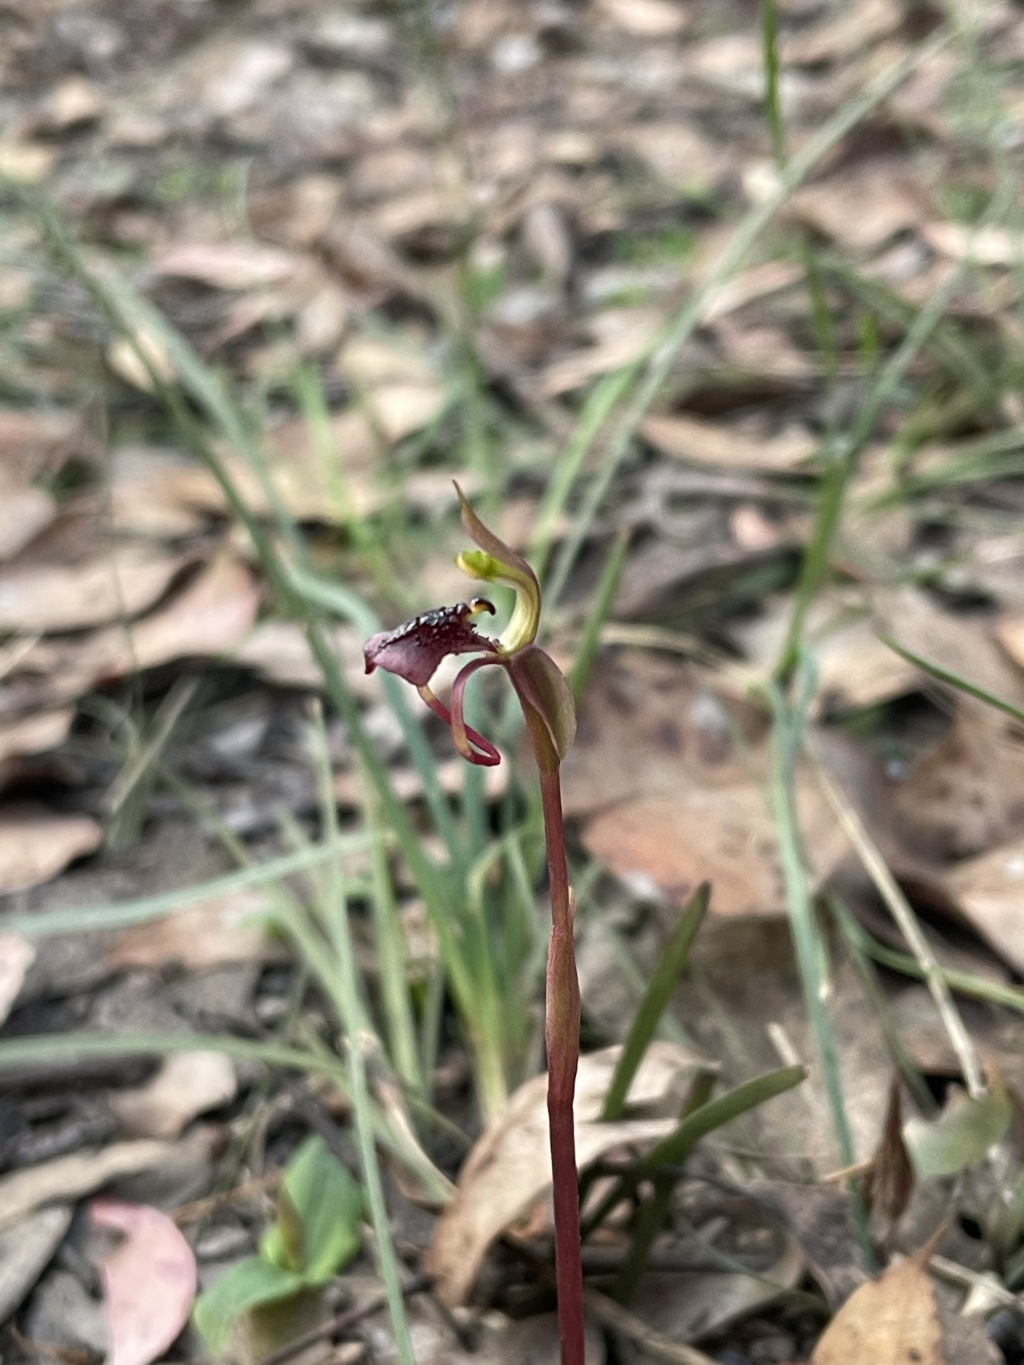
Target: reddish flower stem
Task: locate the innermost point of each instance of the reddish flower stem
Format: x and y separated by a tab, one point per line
562	1034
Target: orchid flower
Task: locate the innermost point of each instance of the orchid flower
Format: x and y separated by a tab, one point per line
414	650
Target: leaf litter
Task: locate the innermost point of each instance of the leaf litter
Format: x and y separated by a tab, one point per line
295	191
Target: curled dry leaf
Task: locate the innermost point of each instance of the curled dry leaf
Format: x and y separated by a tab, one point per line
35	846
149	1282
509	1168
187	1084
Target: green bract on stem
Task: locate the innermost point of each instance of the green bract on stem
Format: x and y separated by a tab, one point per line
413	652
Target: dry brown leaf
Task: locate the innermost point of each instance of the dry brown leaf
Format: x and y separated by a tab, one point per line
962	645
370	361
211	933
188	1084
854	668
863	208
750	286
241	72
68	1178
25	1252
669	799
764	349
966	793
121	582
989	890
207	617
318	476
398	410
34	443
691	1305
891	1320
280	651
155	492
26	162
1010	634
646	18
227	265
844	33
987	245
70	103
24	512
34	734
35	845
16	956
621	335
730	447
140	357
509	1168
676	153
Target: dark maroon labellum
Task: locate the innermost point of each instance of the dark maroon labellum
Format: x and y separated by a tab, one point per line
414	650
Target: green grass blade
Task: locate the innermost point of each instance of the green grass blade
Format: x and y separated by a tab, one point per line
664	981
91	918
772	97
600	607
787	729
674	1149
956	680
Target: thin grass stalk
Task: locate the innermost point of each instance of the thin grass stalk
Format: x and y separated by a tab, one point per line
391	957
964	983
899	907
664	980
865	968
772	93
807	943
92	918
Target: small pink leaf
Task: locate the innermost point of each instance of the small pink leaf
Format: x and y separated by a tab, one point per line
149	1282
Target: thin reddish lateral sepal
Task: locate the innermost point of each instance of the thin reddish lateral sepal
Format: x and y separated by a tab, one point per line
462	734
485	755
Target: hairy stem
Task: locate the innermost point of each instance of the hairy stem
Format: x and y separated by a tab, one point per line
562	1034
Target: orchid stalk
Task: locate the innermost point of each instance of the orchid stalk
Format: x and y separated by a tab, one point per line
413	652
